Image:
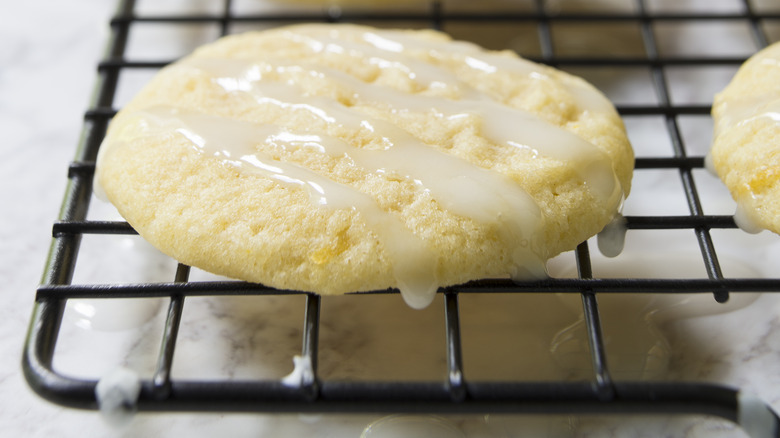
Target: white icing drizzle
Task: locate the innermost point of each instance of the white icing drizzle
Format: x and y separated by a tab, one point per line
461	187
503	124
747	110
379	51
490	62
500	123
235	143
765	107
457	185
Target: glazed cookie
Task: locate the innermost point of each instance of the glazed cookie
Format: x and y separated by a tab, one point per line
339	158
745	151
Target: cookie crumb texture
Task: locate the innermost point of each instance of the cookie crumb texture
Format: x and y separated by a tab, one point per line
335	158
745	151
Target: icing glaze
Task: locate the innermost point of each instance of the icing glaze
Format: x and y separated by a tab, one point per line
753	109
233	142
457	185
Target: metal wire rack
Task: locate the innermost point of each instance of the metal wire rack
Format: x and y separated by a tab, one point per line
457	393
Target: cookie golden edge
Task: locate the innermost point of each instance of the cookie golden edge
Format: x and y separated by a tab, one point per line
207	215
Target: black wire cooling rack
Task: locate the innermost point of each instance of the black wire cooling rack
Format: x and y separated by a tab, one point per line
456	393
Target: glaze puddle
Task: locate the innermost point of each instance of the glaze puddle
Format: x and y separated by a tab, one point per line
636	345
112	314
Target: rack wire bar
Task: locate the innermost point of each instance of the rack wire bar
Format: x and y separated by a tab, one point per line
162	375
415	397
310	349
632	223
557	285
454	350
456	393
686	175
47	315
602	383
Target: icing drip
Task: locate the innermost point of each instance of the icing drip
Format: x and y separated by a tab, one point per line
744	219
117	396
709	165
613	237
302	374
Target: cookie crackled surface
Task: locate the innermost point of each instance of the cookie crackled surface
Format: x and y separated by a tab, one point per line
335	158
745	151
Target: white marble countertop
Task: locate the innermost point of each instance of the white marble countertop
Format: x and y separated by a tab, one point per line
47	71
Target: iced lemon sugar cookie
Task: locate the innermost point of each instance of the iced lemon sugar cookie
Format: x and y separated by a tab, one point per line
746	144
335	158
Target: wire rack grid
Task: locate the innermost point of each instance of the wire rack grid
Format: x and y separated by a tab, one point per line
456	393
